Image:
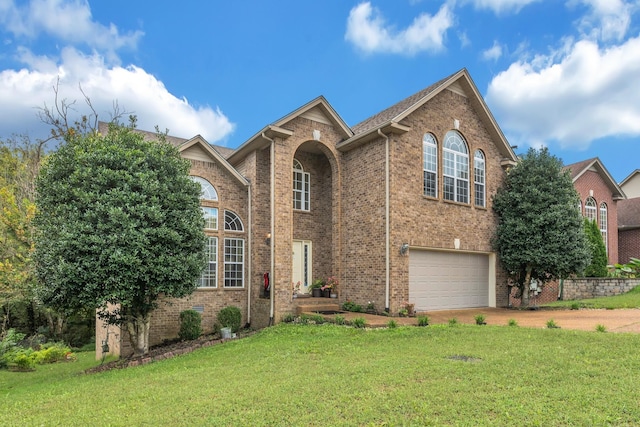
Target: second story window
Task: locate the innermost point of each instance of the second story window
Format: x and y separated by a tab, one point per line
479	178
430	165
456	168
301	180
208	191
590	209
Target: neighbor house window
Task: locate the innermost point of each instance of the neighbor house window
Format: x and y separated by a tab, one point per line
233	263
210	218
301	180
590	209
232	221
430	165
208	192
603	224
209	277
456	168
479	177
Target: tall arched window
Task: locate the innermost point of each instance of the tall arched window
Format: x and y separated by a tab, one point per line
456	168
301	187
590	209
479	177
208	191
603	224
430	165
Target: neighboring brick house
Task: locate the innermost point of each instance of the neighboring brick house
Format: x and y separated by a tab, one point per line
599	198
629	219
398	208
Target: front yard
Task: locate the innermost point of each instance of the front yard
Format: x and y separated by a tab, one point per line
328	375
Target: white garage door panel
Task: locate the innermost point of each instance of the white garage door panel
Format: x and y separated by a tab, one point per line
444	280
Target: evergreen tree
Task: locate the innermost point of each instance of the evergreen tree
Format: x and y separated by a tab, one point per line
540	232
598	265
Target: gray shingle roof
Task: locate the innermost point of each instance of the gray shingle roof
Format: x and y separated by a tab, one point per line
396	109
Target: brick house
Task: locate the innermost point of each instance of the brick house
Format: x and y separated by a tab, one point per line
397	207
629	219
600	196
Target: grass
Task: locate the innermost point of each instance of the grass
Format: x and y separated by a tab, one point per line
630	299
320	375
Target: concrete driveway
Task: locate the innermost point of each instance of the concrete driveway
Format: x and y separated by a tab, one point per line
627	320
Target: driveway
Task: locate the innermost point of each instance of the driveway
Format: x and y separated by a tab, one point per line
624	320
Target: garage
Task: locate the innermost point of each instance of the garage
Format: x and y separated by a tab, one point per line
448	280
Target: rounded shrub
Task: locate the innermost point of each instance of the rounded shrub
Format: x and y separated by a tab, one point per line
230	317
190	325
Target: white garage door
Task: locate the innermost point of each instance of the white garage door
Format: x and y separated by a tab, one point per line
445	280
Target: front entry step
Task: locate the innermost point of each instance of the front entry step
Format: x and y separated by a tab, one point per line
312	308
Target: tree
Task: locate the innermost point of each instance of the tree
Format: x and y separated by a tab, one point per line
19	162
540	232
598	265
118	225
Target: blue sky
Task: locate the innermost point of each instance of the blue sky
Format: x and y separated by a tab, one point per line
562	74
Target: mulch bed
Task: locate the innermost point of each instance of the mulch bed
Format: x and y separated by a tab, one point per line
165	351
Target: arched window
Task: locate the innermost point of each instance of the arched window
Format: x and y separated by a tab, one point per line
430	165
590	209
456	168
208	192
603	224
479	178
301	186
232	222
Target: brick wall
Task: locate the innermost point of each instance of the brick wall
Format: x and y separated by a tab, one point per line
426	222
628	245
591	180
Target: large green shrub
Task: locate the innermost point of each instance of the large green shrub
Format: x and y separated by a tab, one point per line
190	325
230	317
598	265
8	345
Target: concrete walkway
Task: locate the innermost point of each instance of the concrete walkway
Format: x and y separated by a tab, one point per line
627	320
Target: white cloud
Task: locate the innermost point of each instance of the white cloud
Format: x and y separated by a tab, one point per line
367	30
493	53
69	21
575	97
22	92
608	19
502	6
99	73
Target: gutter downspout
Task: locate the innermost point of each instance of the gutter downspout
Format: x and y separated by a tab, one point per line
249	270
386	221
272	227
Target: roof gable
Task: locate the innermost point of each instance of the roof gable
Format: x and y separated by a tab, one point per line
318	110
197	148
390	119
578	169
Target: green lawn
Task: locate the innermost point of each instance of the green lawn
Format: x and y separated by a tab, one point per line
327	375
630	299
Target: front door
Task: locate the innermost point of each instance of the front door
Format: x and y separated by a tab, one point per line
302	265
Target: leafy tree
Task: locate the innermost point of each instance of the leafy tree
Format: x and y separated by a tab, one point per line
118	225
540	233
19	162
598	265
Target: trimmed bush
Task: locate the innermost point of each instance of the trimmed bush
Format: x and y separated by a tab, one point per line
190	325
230	317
